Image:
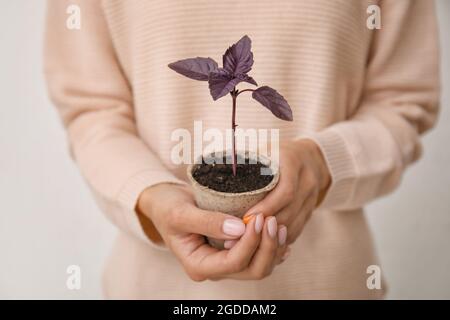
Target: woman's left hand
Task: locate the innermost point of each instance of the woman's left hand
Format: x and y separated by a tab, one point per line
304	179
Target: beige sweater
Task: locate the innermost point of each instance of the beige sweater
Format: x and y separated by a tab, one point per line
363	95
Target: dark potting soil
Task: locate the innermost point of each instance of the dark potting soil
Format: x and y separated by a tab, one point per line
220	177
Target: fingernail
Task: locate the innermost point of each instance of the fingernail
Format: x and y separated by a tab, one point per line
272	227
286	254
233	227
246	219
259	223
282	234
228	244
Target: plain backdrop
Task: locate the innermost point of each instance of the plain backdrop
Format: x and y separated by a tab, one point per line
49	221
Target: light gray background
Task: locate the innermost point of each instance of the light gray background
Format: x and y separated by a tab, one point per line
48	219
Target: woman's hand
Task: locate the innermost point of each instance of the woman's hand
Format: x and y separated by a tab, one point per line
182	226
304	179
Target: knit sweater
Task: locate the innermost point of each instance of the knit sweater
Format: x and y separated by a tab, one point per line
364	96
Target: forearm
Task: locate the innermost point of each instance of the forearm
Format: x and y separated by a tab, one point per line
95	103
368	152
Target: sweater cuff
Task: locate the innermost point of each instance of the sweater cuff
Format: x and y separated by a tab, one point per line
341	165
129	195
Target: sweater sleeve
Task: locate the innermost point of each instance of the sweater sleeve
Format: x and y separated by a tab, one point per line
94	99
368	153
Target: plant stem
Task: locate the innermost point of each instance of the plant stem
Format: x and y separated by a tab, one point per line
239	92
234	95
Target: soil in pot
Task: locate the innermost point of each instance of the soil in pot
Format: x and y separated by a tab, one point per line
220	177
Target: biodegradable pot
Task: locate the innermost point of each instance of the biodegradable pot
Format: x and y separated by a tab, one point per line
236	204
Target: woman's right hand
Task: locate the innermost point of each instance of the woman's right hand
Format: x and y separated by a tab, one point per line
256	248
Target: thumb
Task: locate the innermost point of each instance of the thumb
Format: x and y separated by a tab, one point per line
209	223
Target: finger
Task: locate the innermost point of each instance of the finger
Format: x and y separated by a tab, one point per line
245	248
284	255
283	194
282	247
297	225
304	199
228	244
218	225
289	213
211	263
263	260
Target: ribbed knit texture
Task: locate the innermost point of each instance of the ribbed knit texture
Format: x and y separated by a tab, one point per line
362	95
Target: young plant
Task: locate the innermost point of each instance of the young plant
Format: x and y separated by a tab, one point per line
237	62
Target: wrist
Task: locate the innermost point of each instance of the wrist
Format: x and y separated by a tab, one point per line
144	202
324	175
144	211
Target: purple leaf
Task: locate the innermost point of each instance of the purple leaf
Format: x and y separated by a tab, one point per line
246	78
195	68
273	101
221	83
238	59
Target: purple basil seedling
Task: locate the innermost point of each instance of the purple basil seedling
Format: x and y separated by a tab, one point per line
237	62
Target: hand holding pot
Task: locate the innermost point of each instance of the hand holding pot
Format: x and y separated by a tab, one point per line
182	226
304	179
